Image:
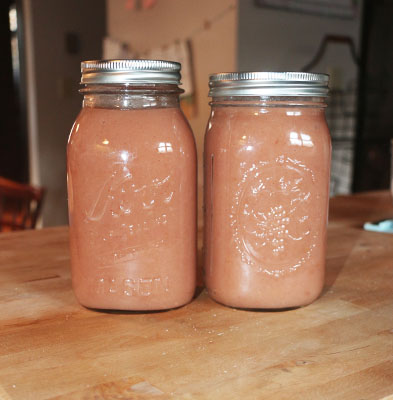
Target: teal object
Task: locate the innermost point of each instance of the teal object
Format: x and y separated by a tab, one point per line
385	226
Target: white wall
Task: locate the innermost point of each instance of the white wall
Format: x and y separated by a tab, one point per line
53	98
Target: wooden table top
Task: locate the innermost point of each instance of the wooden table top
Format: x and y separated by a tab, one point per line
340	347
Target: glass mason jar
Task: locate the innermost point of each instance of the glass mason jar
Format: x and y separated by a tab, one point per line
132	188
267	168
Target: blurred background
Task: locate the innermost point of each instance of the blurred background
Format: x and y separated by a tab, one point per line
43	42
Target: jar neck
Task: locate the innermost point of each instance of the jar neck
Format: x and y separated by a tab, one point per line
129	97
269	101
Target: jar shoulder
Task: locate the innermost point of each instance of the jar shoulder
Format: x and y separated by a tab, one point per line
96	126
269	126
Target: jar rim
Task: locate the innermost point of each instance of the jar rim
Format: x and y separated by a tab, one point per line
297	84
270	101
130	89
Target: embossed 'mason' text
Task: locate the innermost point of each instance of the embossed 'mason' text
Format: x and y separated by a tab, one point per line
141	287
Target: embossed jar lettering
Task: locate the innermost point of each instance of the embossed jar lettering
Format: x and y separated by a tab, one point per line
132	286
267	160
270	215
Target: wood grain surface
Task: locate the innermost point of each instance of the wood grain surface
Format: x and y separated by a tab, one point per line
340	347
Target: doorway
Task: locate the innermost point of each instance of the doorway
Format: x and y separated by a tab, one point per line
13	131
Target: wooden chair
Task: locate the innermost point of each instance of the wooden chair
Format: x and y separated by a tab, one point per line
20	205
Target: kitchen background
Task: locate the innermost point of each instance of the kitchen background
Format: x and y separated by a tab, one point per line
43	42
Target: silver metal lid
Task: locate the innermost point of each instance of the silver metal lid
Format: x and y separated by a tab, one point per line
130	71
268	84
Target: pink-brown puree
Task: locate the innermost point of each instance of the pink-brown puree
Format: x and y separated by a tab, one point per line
266	200
132	202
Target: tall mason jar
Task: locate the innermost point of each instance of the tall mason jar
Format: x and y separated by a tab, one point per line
267	167
132	188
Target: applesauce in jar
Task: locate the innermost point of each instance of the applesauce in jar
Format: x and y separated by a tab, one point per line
132	189
267	170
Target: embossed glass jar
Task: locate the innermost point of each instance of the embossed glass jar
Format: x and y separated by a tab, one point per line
132	188
267	167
